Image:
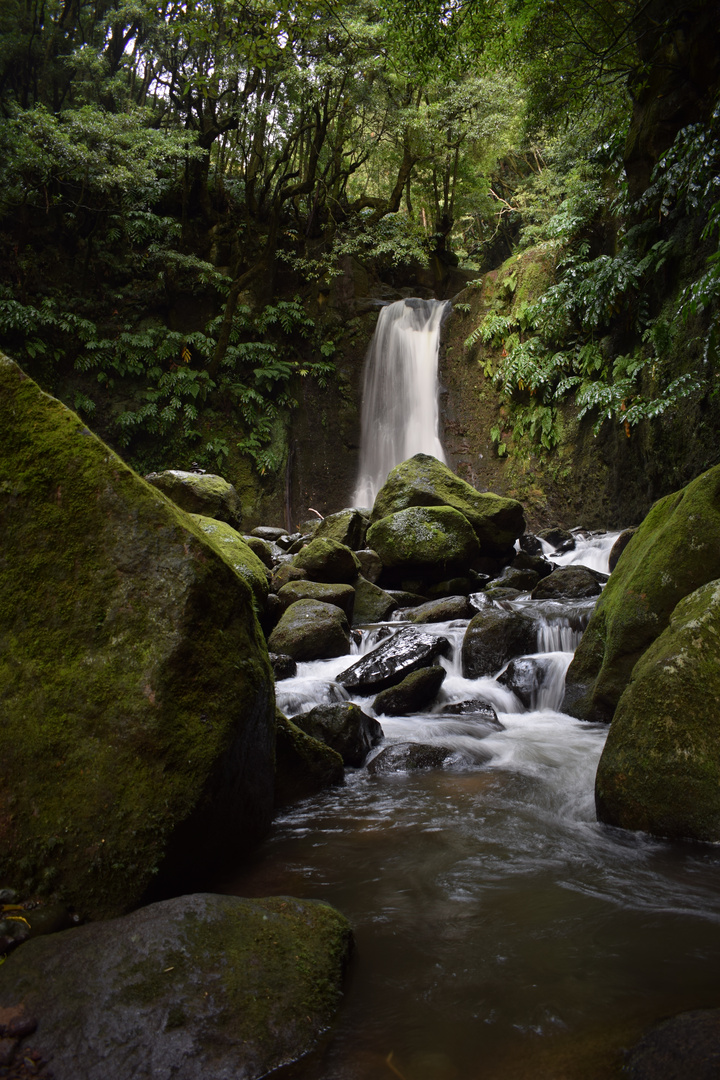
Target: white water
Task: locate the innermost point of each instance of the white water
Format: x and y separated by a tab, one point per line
400	393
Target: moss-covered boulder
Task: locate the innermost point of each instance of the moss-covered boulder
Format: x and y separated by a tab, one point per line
431	542
372	604
674	551
425	481
342	596
443	610
328	560
493	637
246	564
200	493
417	691
201	987
660	768
311	630
565	583
303	765
347	527
137	707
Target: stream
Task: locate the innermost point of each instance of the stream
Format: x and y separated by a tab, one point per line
501	932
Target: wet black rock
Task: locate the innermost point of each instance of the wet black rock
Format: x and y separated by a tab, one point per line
406	757
416	691
524	676
450	607
568	583
343	727
268	532
538	563
560	539
391	661
493	637
481	713
284	667
530	544
514	577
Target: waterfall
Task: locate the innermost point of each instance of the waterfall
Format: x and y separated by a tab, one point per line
400	392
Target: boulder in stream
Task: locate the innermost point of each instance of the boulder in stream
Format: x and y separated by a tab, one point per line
426	542
683	1047
388	664
311	630
201	987
524	676
409	756
568	583
493	637
327	560
372	604
425	481
342	596
303	765
674	551
480	712
660	768
417	691
138	727
200	493
344	727
444	610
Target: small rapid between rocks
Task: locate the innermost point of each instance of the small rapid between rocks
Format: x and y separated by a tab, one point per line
501	932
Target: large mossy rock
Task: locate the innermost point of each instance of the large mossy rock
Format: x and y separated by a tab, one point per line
660	768
136	695
674	551
342	596
430	542
246	564
303	765
347	527
201	987
328	560
200	493
493	637
425	481
311	630
372	604
417	691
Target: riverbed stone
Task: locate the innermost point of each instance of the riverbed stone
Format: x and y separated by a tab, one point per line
493	637
409	756
311	630
284	573
372	604
342	596
674	551
394	658
262	549
200	493
348	527
425	481
429	543
559	539
246	564
619	546
523	579
284	667
138	723
687	1045
660	768
303	765
417	691
327	560
200	987
370	564
444	610
344	727
568	583
482	712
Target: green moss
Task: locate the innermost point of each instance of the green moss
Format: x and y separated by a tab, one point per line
131	661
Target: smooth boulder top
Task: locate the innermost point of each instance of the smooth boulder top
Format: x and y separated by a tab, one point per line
394	658
674	551
311	630
202	987
424	481
660	767
200	493
434	540
137	697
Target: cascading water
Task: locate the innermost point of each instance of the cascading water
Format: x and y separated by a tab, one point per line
502	932
400	392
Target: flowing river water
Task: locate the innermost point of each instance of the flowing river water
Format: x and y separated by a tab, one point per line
501	931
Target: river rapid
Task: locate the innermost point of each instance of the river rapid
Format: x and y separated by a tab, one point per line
501	932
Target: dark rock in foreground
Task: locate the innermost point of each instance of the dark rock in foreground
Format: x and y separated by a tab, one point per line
303	765
392	660
407	757
686	1047
344	727
201	987
138	725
